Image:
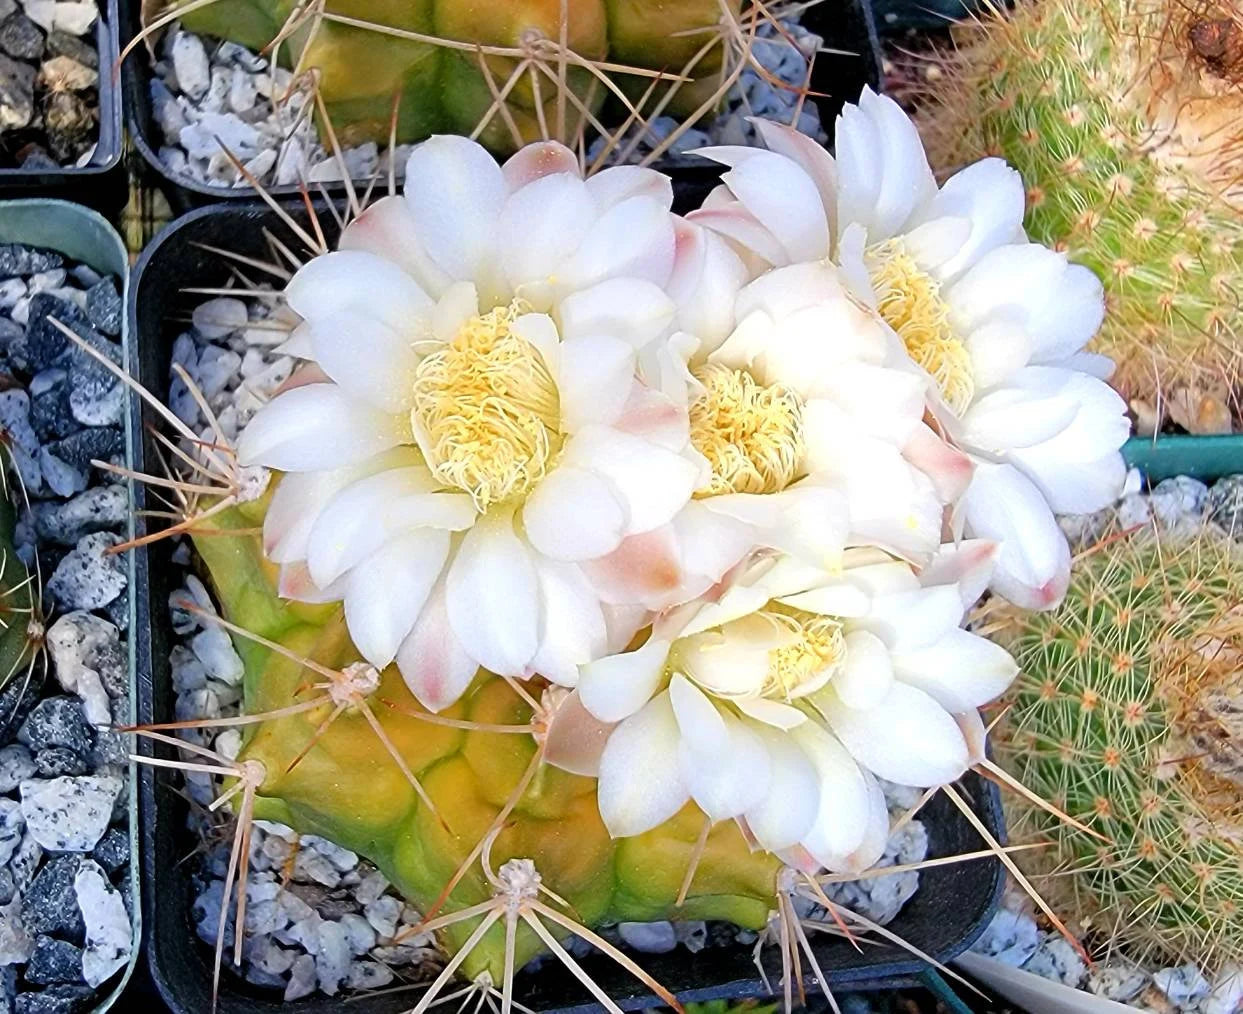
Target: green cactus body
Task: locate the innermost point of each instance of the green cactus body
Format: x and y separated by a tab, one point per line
1129	141
16	601
1127	717
339	782
451	89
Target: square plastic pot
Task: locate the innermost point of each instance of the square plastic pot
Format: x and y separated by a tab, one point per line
101	183
1203	458
84	236
836	79
952	907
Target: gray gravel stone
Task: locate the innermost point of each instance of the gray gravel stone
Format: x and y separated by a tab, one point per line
69	814
21	37
16	765
103	306
89	577
16	943
57	760
54	961
57	721
54	1000
1225	504
18	259
98	509
50	904
17	96
12	824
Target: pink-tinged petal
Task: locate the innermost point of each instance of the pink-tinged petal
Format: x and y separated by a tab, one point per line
811	157
788	810
369	360
640	780
357	282
541	225
908	738
1004	506
575	738
645	569
843	813
595	377
572	628
631	309
738	225
492	594
973	731
619	183
575	514
617	686
364	515
432	661
622	623
304	375
294	582
654	417
388	229
709	544
960	671
455	191
535	161
318	427
781	196
949	468
707	275
772	714
631	239
385	594
867	674
654	483
968	564
734	779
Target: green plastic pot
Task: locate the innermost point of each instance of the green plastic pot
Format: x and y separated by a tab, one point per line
1203	458
85	236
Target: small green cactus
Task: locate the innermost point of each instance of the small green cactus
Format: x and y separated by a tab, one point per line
1127	717
425	54
325	772
1125	119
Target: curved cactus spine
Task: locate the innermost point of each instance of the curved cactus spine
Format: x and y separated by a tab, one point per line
1127	716
1126	123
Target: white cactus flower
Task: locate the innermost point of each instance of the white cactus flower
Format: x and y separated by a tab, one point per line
810	419
997	322
468	429
777	701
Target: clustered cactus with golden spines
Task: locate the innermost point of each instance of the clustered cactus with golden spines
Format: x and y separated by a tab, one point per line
1125	118
508	73
1127	715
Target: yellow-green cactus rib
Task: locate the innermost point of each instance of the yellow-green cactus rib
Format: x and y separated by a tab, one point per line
1127	715
16	600
347	788
447	89
1128	133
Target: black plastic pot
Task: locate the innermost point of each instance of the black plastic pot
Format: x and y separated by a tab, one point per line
101	183
837	79
952	907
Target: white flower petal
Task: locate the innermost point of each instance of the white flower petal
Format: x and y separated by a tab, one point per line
535	161
632	309
867	674
456	192
875	835
385	594
707	275
998	347
356	281
572	628
702	726
788	810
771	713
317	427
967	564
810	156
370	361
960	671
633	238
617	686
734	223
989	195
1033	568
906	181
432	661
906	620
541	225
492	594
595	378
618	183
1032	407
388	229
843	814
728	783
908	738
882	402
640	782
364	515
574	514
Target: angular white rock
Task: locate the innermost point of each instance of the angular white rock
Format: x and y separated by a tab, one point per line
69	814
109	939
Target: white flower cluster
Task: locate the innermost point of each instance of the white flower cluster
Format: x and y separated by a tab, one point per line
734	478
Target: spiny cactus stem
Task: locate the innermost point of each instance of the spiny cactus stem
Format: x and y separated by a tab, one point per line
458	723
697	853
987	769
1018	875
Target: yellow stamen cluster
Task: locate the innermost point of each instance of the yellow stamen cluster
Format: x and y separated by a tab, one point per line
751	434
819	650
486	409
910	301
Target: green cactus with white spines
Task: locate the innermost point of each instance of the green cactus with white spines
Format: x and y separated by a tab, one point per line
1125	119
424	54
335	779
1127	717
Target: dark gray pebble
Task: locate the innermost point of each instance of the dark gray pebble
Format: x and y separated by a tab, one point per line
54	961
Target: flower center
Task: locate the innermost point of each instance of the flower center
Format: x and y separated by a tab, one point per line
751	434
910	301
486	409
809	661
